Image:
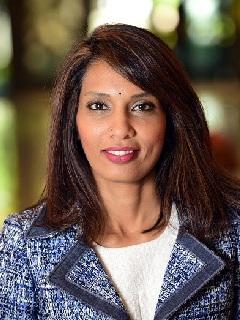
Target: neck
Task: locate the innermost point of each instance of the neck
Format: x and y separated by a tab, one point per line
131	208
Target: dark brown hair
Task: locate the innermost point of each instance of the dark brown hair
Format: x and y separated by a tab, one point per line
186	172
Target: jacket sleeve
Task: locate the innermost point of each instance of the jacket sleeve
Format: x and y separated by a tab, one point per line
16	283
238	273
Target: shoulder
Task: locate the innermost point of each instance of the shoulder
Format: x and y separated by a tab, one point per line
27	225
31	246
17	225
228	243
234	222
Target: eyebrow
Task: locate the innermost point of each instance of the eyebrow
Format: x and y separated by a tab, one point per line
106	95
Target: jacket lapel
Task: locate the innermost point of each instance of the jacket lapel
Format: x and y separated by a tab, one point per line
82	275
190	267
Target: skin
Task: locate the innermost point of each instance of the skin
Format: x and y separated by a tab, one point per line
115	112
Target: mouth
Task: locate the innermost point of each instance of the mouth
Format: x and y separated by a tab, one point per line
121	155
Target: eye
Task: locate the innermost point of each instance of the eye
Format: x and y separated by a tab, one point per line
143	106
97	105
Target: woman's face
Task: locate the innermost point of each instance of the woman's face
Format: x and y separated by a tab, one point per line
121	127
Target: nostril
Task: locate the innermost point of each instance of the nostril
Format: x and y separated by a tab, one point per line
122	132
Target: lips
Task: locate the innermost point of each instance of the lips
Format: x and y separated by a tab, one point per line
121	154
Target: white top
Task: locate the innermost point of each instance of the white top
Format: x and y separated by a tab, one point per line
137	271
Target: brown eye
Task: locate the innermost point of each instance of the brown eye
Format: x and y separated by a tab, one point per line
97	106
143	107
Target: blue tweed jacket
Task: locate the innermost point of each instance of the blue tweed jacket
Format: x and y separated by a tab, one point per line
46	275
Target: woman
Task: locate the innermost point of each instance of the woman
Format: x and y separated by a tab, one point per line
137	222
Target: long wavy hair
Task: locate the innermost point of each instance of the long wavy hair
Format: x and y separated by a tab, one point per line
186	172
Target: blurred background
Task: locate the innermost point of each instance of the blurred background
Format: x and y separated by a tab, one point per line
35	36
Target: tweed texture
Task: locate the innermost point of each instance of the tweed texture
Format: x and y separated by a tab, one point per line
193	288
95	279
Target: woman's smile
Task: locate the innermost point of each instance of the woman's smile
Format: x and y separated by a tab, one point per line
121	155
121	127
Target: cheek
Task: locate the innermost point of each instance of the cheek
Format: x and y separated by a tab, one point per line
89	134
161	132
154	135
84	133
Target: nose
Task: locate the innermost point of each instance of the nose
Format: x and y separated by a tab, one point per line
120	126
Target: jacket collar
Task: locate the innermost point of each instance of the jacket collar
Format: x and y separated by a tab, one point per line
191	266
37	230
81	274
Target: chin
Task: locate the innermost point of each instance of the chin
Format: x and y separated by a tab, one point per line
129	177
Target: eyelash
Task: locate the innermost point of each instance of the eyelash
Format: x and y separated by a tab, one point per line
101	106
150	106
96	103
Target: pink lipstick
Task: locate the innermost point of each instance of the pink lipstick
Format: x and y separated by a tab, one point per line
121	155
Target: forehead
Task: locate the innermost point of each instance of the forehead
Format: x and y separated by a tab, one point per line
101	76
